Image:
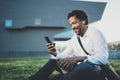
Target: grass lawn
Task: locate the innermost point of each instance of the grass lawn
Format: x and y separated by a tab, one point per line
20	68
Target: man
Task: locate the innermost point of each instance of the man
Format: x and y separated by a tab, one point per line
78	64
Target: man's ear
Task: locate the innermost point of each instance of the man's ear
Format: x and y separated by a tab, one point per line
83	22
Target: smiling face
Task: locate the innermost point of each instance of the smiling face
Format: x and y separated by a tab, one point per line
75	24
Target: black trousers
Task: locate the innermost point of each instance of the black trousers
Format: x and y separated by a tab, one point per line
82	71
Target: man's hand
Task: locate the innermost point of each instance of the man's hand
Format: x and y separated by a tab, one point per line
68	63
51	48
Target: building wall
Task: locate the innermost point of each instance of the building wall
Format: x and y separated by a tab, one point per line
25	36
30	40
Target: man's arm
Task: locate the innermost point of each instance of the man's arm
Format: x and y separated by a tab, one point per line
100	50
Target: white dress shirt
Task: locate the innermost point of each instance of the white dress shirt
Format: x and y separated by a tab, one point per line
94	43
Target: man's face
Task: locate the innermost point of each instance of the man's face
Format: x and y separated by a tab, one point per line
75	24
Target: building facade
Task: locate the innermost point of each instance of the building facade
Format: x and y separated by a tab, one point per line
25	23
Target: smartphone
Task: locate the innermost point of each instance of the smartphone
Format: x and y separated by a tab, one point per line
48	40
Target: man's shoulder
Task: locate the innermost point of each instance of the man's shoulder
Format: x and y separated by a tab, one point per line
94	31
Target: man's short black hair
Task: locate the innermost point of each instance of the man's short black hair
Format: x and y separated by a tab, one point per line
80	14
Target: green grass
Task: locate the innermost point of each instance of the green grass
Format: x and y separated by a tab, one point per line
20	68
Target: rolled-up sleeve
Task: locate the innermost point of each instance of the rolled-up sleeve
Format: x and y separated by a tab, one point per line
68	52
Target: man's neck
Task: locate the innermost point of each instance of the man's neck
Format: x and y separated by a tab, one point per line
84	30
